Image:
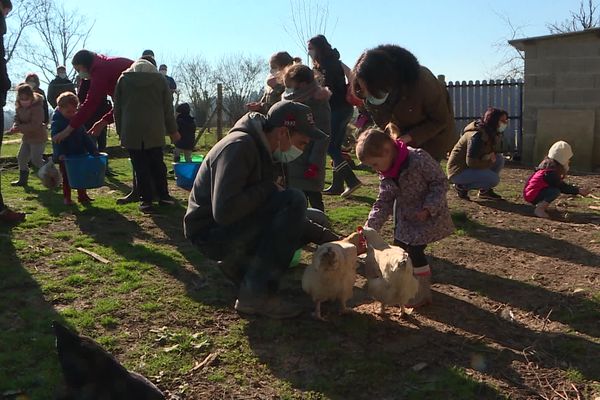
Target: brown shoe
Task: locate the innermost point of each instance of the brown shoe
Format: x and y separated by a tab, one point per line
10	217
267	306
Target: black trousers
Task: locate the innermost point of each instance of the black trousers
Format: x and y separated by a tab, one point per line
416	253
150	168
2	206
315	199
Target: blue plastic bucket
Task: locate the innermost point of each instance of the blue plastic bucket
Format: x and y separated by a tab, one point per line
86	171
185	174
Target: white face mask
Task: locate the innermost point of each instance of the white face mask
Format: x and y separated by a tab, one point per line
62	75
287	156
312	53
164	72
502	127
377	101
32	84
84	75
289	91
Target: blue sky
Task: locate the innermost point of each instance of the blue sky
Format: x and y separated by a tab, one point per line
454	38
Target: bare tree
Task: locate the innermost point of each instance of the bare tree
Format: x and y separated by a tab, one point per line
24	15
587	17
512	61
61	32
197	82
241	76
308	18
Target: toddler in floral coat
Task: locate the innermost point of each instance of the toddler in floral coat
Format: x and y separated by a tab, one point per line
415	182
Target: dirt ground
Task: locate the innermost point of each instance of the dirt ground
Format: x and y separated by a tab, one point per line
515	313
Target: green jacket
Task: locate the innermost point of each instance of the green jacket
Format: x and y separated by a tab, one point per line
143	110
473	150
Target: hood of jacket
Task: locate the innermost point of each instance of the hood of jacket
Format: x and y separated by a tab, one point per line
253	124
142	79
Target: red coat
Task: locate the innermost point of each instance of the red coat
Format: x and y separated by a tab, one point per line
104	74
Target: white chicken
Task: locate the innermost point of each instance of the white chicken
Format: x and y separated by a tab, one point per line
332	274
392	282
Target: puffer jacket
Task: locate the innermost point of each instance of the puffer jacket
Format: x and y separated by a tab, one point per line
30	121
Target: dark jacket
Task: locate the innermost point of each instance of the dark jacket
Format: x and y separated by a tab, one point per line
57	87
474	150
44	104
316	151
335	79
424	111
104	74
235	179
143	110
105	104
4	81
171	83
186	125
77	143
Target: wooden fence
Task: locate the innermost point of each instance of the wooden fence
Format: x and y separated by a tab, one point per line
471	99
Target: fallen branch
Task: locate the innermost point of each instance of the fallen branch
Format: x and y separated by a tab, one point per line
207	362
94	255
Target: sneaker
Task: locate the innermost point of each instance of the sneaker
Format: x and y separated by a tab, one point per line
271	307
462	192
489	195
146	207
11	217
167	201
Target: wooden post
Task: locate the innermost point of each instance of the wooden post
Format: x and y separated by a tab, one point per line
219	111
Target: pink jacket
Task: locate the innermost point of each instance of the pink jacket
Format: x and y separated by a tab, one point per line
535	184
104	74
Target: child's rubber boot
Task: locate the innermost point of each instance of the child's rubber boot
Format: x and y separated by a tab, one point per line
423	296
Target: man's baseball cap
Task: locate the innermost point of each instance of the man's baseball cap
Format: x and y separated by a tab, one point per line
295	116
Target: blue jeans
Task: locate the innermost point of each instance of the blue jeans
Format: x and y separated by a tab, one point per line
483	179
340	117
548	195
261	244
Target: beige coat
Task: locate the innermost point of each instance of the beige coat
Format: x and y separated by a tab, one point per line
30	121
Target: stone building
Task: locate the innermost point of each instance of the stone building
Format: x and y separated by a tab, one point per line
562	95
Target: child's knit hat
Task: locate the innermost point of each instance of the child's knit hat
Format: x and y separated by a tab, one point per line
561	152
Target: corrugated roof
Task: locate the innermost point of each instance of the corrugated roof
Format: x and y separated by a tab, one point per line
520	43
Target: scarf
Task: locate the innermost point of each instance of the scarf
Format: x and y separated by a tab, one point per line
401	157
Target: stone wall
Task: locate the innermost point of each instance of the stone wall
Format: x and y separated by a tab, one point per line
562	73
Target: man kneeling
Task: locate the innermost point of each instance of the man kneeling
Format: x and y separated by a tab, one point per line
239	216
